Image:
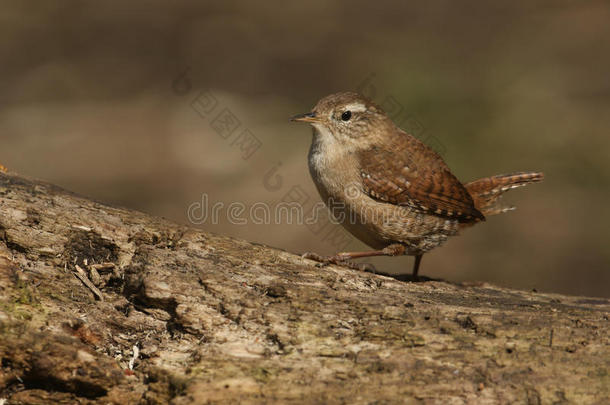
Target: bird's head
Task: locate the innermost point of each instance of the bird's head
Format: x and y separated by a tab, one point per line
347	119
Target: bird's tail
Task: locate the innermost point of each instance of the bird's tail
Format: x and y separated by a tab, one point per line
487	192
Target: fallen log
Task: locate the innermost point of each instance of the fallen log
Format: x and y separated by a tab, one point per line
100	304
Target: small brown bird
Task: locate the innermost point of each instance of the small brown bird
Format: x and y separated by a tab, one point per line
388	188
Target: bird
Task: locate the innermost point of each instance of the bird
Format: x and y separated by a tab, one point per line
388	188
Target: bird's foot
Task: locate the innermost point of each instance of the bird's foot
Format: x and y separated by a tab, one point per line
341	259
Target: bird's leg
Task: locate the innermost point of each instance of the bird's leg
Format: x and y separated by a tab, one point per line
416	266
326	260
392	250
344	257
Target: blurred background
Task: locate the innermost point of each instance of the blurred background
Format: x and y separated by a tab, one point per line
165	107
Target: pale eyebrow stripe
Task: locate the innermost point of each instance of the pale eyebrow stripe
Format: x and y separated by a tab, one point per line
355	107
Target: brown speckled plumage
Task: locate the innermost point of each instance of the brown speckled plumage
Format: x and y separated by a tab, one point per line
406	172
393	192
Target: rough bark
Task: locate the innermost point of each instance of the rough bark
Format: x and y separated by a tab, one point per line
217	319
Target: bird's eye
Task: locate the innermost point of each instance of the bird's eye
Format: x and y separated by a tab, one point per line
346	115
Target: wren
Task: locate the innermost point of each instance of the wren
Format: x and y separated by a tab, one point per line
389	189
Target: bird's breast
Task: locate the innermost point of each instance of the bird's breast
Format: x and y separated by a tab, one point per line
333	170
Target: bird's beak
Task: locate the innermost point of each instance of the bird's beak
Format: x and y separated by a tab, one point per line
307	117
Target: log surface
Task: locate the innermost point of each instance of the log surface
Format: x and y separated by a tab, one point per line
185	317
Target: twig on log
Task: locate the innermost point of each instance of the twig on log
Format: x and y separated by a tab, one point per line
82	276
